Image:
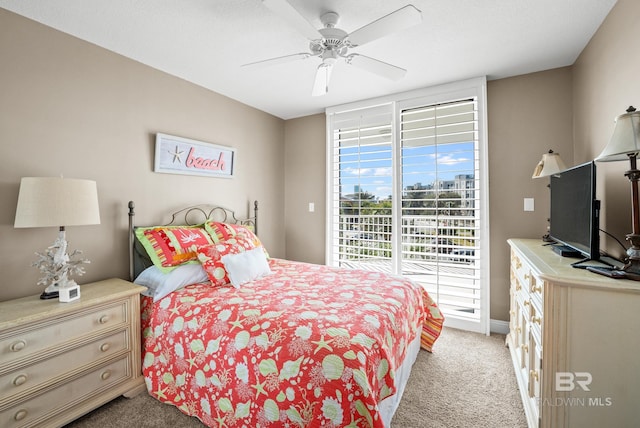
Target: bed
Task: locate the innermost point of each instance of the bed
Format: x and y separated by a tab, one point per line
240	339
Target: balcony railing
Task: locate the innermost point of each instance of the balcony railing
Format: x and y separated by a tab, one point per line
424	238
439	252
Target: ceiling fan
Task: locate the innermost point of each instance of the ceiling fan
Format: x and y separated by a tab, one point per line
331	43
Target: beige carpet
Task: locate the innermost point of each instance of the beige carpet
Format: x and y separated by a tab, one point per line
468	381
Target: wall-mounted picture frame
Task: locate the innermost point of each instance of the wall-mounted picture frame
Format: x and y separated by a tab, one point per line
179	155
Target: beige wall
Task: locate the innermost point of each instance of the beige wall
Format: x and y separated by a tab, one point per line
68	107
605	83
305	183
528	115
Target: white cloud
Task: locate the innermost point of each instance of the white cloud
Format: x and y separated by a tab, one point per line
376	172
449	159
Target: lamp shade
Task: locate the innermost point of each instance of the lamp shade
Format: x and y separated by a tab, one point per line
56	201
551	163
625	139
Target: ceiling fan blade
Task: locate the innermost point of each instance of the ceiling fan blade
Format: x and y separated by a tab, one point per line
277	60
321	83
402	18
377	67
287	12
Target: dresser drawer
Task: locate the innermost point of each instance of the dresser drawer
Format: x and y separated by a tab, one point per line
36	337
527	277
518	267
535	377
57	400
536	320
527	283
46	370
536	288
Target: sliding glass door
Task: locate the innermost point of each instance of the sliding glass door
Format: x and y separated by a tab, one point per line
406	196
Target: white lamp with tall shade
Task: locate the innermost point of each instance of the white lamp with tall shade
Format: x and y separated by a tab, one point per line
59	202
625	145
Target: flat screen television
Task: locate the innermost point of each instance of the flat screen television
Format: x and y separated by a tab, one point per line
575	211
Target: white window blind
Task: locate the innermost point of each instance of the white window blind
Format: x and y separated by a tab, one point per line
362	170
441	204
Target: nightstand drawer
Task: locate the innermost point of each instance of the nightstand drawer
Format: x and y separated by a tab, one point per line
45	370
38	336
66	396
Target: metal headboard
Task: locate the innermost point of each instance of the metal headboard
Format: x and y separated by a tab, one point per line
197	214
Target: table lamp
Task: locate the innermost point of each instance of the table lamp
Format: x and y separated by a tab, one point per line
625	145
551	163
60	202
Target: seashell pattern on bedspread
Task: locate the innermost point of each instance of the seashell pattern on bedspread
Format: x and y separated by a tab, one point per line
308	345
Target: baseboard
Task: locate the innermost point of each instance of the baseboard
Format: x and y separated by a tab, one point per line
497	326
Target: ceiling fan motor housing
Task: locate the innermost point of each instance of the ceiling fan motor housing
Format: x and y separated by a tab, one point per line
333	39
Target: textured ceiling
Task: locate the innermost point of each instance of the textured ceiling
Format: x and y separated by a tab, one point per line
207	41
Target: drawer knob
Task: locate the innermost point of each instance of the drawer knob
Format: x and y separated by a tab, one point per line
534	375
536	288
103	319
105	347
536	320
20	380
18	346
105	374
524	347
20	415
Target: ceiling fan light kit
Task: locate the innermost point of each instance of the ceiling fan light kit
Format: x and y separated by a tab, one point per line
331	43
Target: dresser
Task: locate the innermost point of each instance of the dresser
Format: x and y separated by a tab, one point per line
574	338
59	361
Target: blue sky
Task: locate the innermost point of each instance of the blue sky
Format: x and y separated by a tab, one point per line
370	167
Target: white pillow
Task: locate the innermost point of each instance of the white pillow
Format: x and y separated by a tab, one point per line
160	284
246	266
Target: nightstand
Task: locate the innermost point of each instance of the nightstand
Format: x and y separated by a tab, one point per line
59	361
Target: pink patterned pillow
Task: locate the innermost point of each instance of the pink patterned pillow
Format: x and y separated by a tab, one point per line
210	257
220	232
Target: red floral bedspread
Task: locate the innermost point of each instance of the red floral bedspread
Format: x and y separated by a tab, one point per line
306	346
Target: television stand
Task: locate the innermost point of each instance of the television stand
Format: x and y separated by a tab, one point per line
604	263
566	251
